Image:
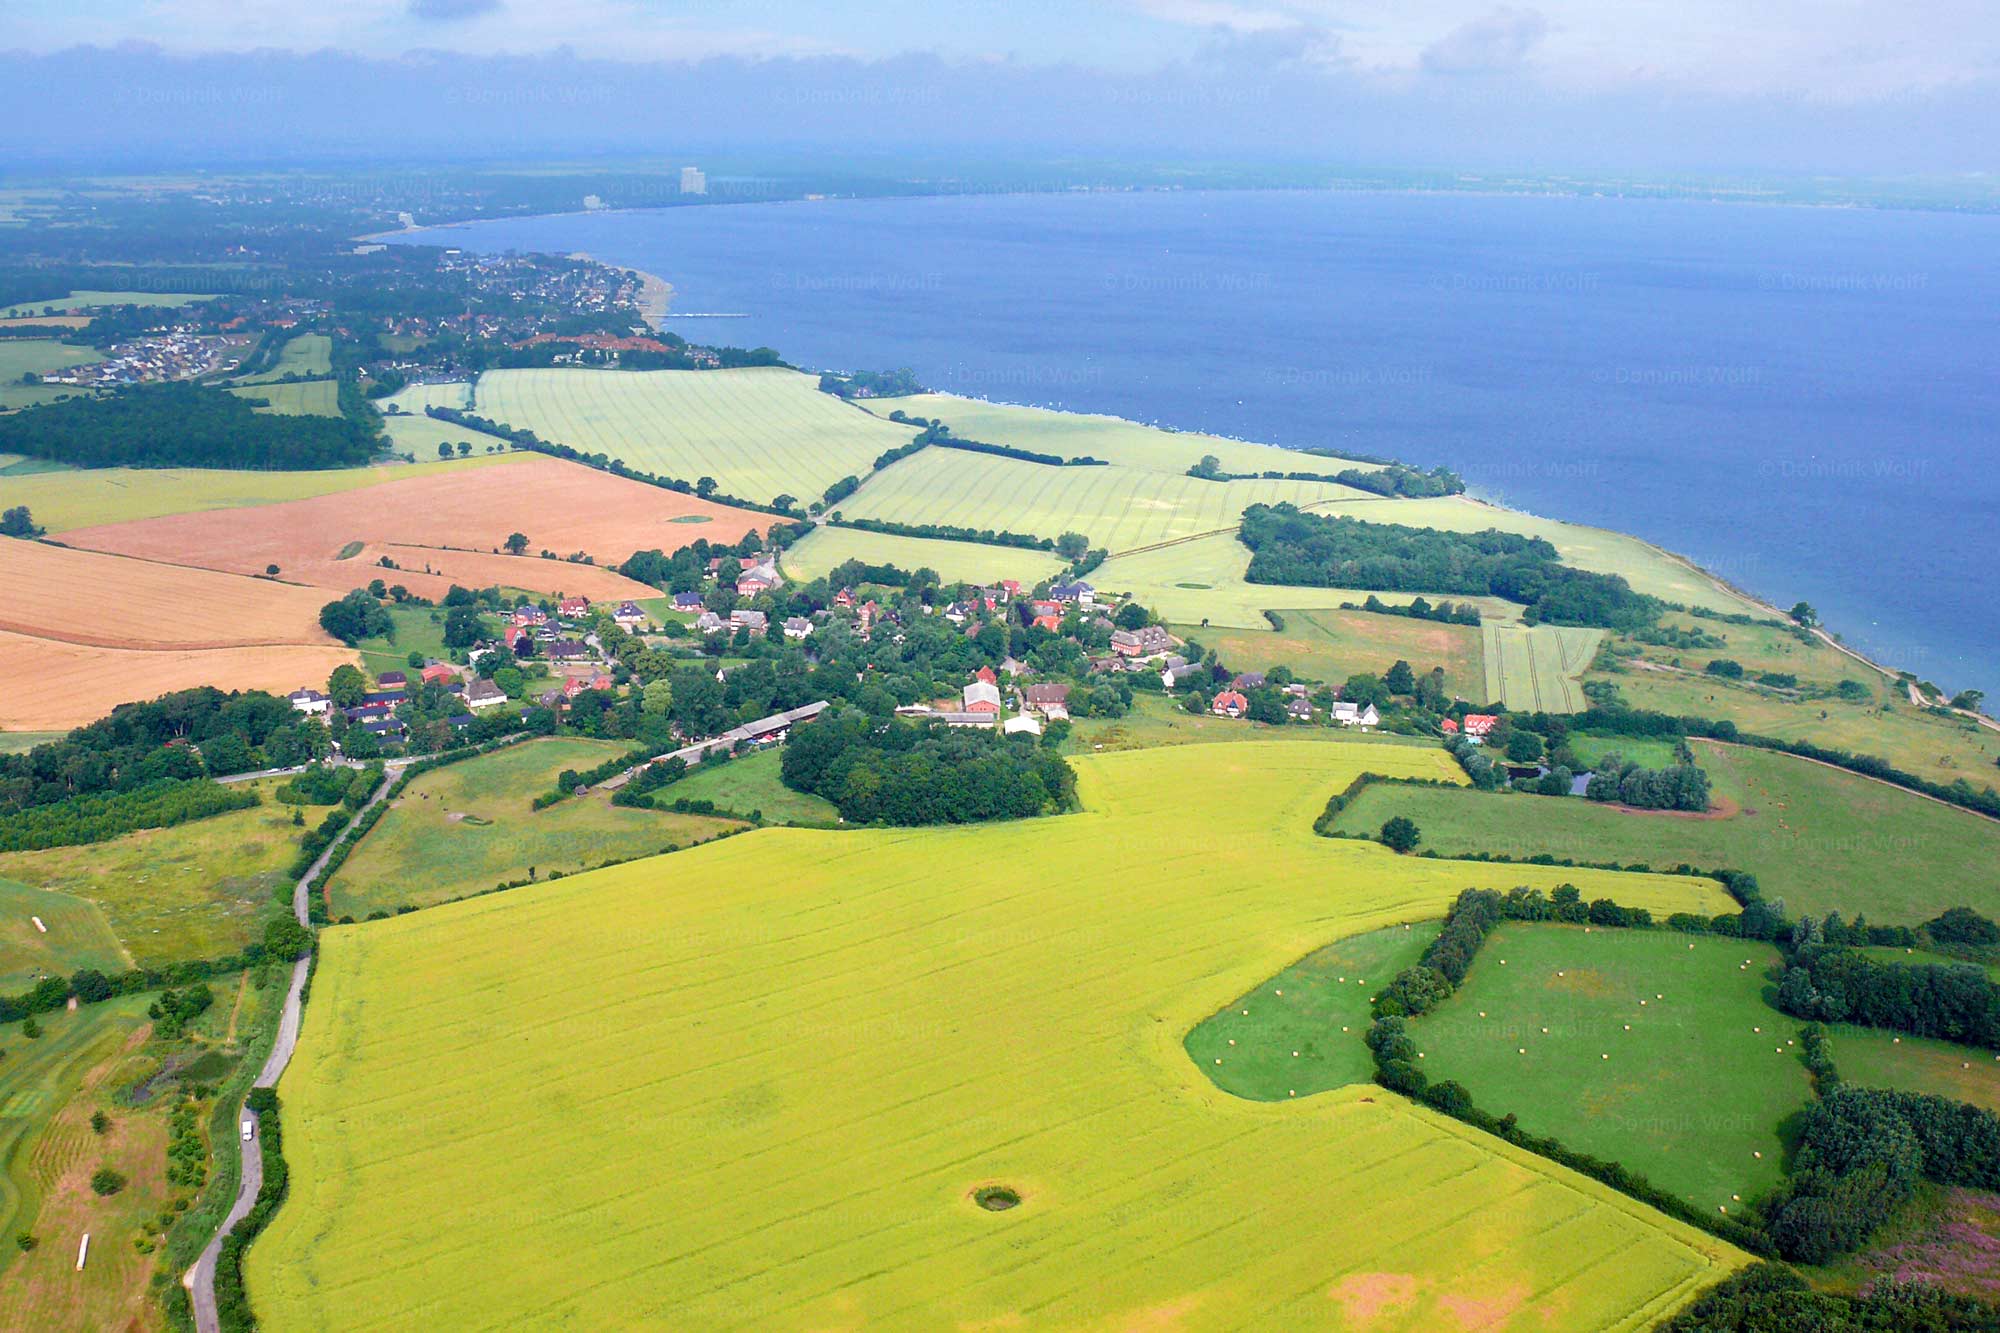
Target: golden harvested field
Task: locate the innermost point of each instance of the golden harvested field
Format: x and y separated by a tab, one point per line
760	432
815	554
1118	508
805	1051
1126	443
109	601
86	498
54	686
451	522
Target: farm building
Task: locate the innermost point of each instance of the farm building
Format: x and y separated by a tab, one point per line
982	696
1050	700
1150	641
750	620
1027	724
310	702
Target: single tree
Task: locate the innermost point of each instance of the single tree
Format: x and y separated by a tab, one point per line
1400	834
517	542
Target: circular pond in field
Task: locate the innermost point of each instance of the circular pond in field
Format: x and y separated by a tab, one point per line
996	1198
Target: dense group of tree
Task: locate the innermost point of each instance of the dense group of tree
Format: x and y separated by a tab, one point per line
1392	479
1771	1298
17	521
187	734
948	533
182	425
1618	781
355	617
899	383
1861	1155
1293	547
99	815
1837	984
896	772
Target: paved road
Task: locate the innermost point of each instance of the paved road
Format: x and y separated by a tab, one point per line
200	1280
693	754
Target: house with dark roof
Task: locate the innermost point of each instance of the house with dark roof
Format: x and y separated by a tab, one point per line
687	601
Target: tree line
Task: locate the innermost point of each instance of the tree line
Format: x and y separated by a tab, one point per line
182	425
910	774
1290	546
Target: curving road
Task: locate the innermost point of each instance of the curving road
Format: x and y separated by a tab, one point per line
200	1279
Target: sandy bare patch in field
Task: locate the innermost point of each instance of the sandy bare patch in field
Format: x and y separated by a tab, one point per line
108	601
53	686
455	522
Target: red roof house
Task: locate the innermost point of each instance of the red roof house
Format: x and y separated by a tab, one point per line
1478	724
1229	703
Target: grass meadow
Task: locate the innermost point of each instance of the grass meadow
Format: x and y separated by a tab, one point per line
1301	1032
307	354
90	299
76	935
759	1082
759	432
816	554
467	827
20	356
748	785
1876	1058
1125	443
1820	839
1333	645
1651	1048
300	398
198	890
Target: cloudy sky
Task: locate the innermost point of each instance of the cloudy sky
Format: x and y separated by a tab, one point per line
1846	83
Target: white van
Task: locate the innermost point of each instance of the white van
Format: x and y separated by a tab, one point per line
249	1129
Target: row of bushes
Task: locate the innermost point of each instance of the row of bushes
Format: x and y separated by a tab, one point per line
91	986
1771	1298
947	533
96	816
949	441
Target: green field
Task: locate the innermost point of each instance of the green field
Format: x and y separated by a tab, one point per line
1874	1058
19	356
421	435
758	1083
1538	668
1592	750
1651	1048
416	397
88	299
197	890
1333	645
1118	508
76	936
307	354
815	555
1646	567
1077	434
20	742
65	500
1156	720
44	1139
301	398
751	784
760	432
1944	750
1820	839
1925	958
419	629
1203	579
467	827
1302	1031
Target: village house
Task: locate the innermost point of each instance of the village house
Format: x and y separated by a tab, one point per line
568	650
708	622
1050	700
844	599
1300	709
798	627
484	694
1248	680
756	579
629	616
1078	593
1229	703
1012	666
310	702
1047	615
1150	641
687	601
392	682
576	685
439	673
982	696
742	618
985	673
530	615
1349	714
572	607
1177	671
1479	725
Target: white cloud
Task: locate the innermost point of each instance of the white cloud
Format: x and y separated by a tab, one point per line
1489	44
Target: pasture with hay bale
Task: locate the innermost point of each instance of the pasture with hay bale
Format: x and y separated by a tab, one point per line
810	1051
1650	1048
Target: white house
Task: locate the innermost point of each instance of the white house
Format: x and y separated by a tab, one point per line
310	702
1348	714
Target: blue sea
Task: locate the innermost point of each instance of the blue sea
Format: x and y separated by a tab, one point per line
1806	401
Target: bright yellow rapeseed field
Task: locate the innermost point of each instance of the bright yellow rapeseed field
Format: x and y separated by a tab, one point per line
756	1085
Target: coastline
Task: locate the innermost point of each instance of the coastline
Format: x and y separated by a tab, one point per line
1723	585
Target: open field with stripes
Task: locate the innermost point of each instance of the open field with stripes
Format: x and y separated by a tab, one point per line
816	554
760	432
1538	668
445	526
1118	508
809	1051
1332	645
307	398
307	354
1125	443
